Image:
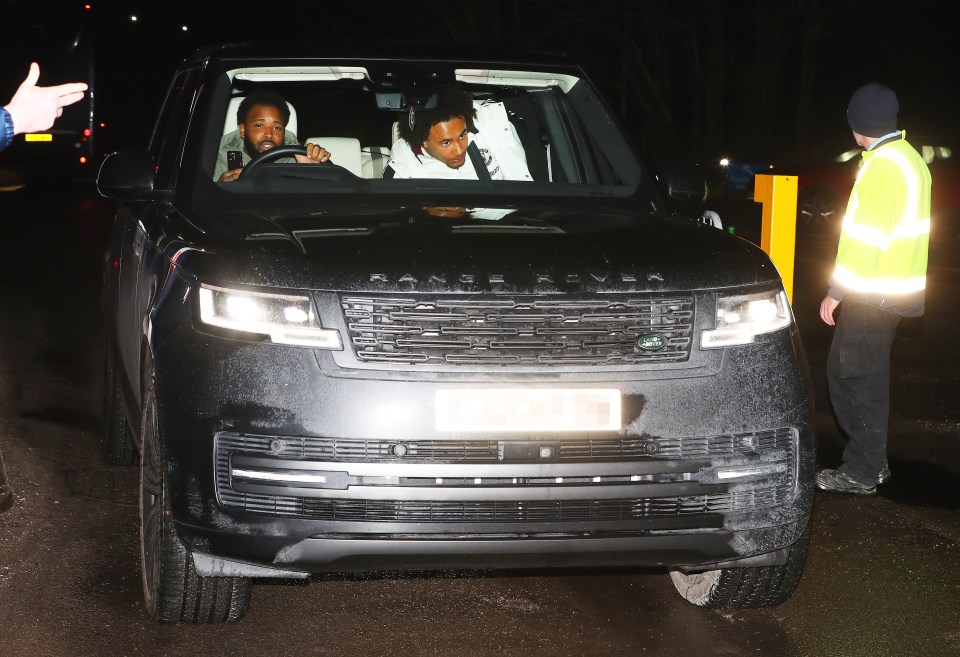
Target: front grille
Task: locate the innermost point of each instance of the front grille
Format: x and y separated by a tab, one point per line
735	449
533	331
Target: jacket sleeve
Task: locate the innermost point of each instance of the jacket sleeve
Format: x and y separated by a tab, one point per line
6	128
399	164
881	198
225	145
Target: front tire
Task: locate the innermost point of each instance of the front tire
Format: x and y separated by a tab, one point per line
173	592
742	588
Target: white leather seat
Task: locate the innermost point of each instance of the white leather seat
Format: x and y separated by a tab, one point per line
373	160
230	122
344	152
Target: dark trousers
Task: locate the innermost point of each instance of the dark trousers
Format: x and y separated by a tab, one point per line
858	374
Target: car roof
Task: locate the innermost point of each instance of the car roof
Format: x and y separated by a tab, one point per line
414	51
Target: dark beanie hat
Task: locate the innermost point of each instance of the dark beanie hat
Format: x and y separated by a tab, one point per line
872	111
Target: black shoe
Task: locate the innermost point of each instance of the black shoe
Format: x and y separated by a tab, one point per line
837	482
884	473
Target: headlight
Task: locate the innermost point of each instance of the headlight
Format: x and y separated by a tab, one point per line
742	317
284	318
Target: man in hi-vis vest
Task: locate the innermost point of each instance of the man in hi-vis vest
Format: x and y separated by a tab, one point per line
880	276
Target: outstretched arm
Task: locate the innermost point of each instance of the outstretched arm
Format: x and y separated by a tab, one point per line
34	108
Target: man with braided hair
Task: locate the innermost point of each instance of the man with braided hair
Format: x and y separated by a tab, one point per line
459	138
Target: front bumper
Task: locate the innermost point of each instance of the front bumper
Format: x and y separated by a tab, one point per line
275	461
704	549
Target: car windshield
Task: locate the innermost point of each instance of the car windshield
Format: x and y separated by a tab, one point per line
538	132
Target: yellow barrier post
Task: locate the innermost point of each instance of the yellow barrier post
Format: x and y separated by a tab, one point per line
778	233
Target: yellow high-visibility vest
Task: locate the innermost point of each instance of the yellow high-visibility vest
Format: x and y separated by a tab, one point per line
886	229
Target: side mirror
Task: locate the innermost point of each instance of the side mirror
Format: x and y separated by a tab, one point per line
126	175
684	181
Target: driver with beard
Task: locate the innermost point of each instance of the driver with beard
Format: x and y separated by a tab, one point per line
261	125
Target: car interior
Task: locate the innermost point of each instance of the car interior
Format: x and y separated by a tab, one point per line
355	118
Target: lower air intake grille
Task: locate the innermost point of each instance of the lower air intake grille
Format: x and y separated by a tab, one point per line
748	446
478	451
470	512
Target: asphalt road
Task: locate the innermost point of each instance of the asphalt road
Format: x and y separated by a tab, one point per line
882	577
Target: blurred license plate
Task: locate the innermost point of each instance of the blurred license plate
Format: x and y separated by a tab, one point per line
38	136
525	409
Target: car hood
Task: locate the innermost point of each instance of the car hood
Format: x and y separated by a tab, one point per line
434	249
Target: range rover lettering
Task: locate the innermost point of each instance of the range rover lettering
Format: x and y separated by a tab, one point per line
357	330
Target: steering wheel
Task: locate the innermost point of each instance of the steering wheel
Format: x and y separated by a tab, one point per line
287	150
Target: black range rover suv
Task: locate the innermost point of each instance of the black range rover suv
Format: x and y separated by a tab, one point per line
320	369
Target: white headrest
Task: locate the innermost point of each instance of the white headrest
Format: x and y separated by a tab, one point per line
344	152
230	122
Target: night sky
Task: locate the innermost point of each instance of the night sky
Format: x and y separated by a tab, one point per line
703	77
